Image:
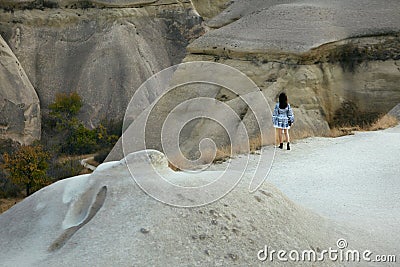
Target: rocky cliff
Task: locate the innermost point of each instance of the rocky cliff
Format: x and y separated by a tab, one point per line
103	50
19	104
323	54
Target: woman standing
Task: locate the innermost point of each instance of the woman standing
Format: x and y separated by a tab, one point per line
282	118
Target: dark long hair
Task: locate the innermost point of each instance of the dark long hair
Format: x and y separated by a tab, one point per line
283	101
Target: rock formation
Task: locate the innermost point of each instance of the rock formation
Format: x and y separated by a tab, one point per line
322	53
104	53
105	219
19	104
210	8
395	112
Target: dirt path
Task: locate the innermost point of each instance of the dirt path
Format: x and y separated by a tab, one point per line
353	180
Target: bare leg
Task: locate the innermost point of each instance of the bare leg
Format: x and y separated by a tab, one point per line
286	132
278	133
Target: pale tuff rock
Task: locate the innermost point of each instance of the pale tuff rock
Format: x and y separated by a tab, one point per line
321	53
210	8
30	4
300	26
102	54
19	104
105	219
395	112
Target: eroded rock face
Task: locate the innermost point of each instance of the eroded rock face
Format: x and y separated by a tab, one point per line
313	50
315	90
31	4
395	112
210	8
318	52
103	54
19	104
298	26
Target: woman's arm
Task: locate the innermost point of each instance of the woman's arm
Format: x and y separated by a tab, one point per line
290	114
275	114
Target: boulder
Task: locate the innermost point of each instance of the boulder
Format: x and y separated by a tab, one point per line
19	103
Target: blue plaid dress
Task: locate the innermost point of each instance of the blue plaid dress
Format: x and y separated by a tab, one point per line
281	117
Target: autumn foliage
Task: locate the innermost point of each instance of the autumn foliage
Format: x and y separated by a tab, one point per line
27	167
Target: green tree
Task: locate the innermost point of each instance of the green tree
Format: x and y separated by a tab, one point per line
27	167
65	109
104	137
81	140
75	137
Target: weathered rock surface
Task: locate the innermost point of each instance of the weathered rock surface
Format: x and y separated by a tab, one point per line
103	54
105	219
201	103
395	112
210	8
300	26
19	103
240	8
31	4
322	53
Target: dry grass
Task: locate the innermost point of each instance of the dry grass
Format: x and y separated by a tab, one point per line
300	134
382	123
173	167
255	143
387	121
7	203
343	131
221	155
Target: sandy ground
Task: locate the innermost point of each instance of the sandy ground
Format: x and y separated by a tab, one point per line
353	180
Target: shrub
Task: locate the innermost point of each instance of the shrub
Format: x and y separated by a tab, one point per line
81	141
113	127
101	156
349	56
65	107
349	115
75	137
7	188
49	4
68	168
105	139
27	167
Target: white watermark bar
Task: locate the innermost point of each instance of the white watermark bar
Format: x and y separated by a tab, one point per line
337	254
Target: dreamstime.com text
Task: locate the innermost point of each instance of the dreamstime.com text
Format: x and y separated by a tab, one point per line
339	254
